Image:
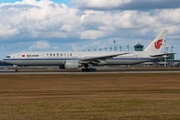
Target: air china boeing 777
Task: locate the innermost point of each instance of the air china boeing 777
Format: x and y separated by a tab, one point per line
74	60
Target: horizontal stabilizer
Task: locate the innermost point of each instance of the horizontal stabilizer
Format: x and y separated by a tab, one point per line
162	55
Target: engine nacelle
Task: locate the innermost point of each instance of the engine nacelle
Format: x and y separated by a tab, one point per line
70	65
102	62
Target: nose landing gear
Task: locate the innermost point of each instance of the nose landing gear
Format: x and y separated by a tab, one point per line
16	69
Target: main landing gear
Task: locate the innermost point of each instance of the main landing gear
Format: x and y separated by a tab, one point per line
89	68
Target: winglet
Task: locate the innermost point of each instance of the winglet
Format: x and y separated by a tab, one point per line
156	45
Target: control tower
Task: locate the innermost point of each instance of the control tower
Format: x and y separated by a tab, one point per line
138	47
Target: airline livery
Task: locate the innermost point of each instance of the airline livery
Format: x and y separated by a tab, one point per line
74	60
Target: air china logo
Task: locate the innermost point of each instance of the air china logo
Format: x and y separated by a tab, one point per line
158	44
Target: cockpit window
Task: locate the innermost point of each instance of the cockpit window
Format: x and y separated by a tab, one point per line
8	56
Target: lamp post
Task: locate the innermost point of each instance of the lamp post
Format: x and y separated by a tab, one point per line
114	45
165	60
164	46
172	49
128	47
120	48
110	48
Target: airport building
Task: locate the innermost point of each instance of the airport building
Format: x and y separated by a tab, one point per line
138	47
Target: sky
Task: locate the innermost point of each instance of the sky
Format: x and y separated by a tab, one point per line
78	25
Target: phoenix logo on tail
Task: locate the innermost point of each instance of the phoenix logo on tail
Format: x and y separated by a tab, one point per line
158	44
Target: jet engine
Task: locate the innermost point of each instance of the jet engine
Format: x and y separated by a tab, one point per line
70	65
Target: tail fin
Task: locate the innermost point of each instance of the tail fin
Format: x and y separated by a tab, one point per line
156	45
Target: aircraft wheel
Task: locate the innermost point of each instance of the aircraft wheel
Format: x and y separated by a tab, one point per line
94	69
16	70
83	70
89	70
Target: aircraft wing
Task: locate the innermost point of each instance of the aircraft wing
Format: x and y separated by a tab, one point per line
102	57
162	55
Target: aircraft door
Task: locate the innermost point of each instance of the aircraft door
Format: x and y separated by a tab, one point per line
43	56
140	55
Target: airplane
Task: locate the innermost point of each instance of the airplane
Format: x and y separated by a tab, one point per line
87	60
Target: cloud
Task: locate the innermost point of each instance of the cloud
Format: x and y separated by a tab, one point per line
74	47
92	34
99	4
84	47
126	4
33	19
39	45
54	21
88	23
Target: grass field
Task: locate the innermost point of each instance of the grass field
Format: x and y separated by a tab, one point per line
90	97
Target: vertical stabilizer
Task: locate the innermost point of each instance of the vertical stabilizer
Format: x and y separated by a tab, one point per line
157	44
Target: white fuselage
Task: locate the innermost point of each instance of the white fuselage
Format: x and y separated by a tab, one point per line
59	58
74	60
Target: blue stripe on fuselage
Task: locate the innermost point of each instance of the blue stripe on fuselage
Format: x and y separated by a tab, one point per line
78	59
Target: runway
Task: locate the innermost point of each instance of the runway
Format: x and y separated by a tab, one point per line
100	70
6	72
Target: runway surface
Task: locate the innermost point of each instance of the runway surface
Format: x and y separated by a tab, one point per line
100	70
71	72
